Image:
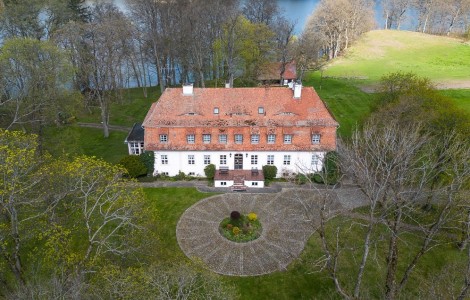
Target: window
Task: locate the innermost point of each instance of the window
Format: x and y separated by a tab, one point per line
207	159
270	160
191	173
136	148
271	138
314	160
216	110
223	159
206	138
255	138
222	139
191	160
254	183
223	183
163	138
254	159
164	159
190	138
315	139
287	138
165	173
286	160
260	110
238	138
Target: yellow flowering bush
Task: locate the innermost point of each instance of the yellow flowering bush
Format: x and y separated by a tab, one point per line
236	230
252	216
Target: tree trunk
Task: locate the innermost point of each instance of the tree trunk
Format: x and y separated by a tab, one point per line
104	117
15	264
392	258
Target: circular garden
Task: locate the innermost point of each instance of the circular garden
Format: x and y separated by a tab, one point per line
241	228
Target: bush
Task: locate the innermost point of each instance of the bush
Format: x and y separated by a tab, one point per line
148	159
269	172
235	215
134	166
330	170
209	170
180	176
252	216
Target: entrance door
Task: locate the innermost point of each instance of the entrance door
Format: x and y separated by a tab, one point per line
238	161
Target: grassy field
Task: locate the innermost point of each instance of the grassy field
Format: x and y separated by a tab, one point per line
349	105
380	52
300	280
461	97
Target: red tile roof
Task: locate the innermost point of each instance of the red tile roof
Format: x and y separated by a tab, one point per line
272	71
238	107
178	115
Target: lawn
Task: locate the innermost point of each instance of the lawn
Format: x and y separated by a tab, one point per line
380	52
132	108
300	280
461	97
349	105
73	140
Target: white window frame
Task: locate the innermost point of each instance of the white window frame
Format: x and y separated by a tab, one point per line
255	138
271	138
223	183
191	138
207	159
261	110
163	138
191	159
164	159
287	159
216	110
316	138
254	183
315	160
238	138
287	138
254	159
136	148
206	138
222	139
270	159
223	159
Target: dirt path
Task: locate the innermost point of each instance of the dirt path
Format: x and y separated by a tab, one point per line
100	126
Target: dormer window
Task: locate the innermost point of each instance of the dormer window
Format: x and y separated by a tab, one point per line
191	114
315	138
261	110
216	110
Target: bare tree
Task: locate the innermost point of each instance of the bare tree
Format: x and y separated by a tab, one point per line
260	11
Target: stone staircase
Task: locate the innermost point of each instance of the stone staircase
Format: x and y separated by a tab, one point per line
239	183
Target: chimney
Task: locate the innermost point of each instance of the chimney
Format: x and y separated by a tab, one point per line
297	90
227	84
188	89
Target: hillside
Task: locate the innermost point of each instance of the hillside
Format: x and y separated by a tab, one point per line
444	60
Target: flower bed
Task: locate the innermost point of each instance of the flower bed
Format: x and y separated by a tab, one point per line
241	228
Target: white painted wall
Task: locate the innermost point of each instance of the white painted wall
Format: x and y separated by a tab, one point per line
258	184
218	183
178	161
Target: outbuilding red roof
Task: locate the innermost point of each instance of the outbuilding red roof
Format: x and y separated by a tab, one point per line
272	71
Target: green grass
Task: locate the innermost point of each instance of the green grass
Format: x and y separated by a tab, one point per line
131	109
380	52
300	280
74	140
349	105
461	98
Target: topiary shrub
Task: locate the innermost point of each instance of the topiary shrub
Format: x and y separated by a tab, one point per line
134	166
148	159
235	215
330	170
209	170
269	172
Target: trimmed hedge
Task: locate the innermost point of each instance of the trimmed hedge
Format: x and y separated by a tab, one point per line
134	166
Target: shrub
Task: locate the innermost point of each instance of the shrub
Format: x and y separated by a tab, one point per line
236	230
180	176
134	166
330	168
269	172
209	170
252	216
148	159
235	215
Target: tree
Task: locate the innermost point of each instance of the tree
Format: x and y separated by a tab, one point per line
33	84
337	23
134	166
394	12
260	11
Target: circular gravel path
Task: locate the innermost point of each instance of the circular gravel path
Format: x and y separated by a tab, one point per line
288	219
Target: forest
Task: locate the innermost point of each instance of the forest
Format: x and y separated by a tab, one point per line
94	233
